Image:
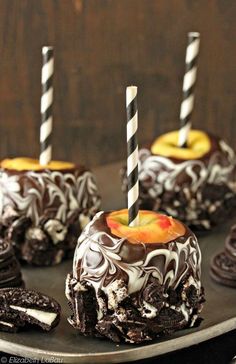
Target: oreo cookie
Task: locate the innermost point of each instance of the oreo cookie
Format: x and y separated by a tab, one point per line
223	270
10	272
230	244
7	326
38	249
171	320
6	251
21	308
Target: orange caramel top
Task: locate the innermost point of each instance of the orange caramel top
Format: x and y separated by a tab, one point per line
29	164
153	227
166	145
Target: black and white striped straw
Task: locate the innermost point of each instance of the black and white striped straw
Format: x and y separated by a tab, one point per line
46	106
188	87
132	155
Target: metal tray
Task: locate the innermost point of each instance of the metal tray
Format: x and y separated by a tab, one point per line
65	345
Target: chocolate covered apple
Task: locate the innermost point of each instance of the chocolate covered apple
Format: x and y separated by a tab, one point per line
135	283
196	184
44	208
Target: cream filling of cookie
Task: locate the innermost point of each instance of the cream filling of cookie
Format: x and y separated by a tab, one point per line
116	293
35	233
185	311
41	316
78	287
56	230
148	310
194	318
6	324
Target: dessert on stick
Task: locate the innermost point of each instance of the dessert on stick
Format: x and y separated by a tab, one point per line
45	203
197	184
136	274
189	174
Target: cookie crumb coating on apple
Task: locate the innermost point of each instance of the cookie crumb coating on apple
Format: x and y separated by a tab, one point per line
196	185
44	208
125	289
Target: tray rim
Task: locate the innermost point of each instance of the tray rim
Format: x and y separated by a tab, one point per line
126	355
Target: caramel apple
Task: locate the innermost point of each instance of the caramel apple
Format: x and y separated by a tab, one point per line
135	283
196	184
44	208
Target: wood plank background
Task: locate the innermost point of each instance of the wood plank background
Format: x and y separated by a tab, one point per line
101	46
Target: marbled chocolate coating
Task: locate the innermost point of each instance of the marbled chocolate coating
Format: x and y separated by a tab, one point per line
101	258
200	192
55	193
47	206
133	291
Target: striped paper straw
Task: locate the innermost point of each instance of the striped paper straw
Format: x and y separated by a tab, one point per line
188	87
46	106
132	155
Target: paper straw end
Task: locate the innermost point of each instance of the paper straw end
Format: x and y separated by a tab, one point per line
131	88
45	49
194	34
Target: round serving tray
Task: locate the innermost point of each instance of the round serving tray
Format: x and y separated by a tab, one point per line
65	345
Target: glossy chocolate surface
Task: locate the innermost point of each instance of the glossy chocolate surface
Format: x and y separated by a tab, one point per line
43	212
200	192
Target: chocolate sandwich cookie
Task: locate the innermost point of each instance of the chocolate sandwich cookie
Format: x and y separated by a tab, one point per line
7	326
223	270
21	308
230	244
6	251
10	272
16	282
38	249
10	268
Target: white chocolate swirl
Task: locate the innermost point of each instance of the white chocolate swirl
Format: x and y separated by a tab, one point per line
164	173
58	194
180	188
100	260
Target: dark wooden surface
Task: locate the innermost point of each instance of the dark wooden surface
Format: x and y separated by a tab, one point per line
101	46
